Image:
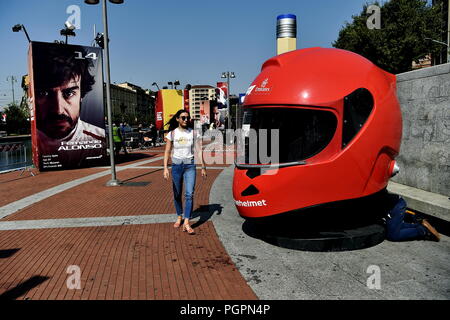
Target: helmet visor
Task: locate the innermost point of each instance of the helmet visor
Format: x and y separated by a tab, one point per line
303	132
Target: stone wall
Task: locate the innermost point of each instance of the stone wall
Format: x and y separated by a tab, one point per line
424	158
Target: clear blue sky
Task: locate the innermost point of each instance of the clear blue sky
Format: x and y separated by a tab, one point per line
161	41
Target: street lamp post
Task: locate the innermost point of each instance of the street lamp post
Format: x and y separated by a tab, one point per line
228	75
13	79
21	27
113	181
444	44
174	84
155	84
68	30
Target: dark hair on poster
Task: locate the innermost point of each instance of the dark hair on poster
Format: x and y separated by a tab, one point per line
58	63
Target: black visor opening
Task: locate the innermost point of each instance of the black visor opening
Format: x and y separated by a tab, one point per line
303	132
357	108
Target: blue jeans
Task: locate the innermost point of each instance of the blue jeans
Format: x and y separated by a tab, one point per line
183	170
397	229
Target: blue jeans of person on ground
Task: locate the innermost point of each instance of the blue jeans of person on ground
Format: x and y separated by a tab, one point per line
183	171
397	229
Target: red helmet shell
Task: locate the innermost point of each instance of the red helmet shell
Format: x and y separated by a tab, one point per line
324	78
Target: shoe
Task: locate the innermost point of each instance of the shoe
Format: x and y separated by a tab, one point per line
432	234
412	217
188	229
178	223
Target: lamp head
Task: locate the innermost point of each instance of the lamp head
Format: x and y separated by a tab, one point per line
17	28
100	40
224	75
232	75
91	1
67	32
69	25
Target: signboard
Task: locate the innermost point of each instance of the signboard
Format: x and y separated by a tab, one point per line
241	98
66	103
168	102
222	94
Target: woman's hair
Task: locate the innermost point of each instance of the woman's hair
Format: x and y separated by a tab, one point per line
173	123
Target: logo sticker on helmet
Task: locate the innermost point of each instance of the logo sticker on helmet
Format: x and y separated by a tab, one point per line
263	88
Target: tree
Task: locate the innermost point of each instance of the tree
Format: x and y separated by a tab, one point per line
17	119
401	39
2	124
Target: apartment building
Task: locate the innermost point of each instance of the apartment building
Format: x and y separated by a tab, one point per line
196	95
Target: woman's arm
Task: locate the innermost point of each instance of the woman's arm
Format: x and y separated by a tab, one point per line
200	156
166	158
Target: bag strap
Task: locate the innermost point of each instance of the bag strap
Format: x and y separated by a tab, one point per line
193	142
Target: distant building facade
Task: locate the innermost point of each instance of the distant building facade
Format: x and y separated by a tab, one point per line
196	95
132	104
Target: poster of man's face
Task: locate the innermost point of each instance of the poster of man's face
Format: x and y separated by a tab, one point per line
59	108
68	105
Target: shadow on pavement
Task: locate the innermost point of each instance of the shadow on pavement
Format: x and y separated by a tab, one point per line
342	226
205	212
19	177
442	226
7	253
141	175
125	158
23	288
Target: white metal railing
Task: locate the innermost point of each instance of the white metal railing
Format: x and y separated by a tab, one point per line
15	156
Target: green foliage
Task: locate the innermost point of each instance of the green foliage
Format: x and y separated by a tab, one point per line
17	119
404	26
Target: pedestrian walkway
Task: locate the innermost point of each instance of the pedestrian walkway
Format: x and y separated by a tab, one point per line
122	241
121	238
391	270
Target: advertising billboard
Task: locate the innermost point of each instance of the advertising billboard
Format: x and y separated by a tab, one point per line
205	111
168	102
222	94
186	99
66	103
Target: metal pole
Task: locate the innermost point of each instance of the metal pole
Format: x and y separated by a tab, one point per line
12	84
448	32
228	99
26	33
13	79
236	112
113	181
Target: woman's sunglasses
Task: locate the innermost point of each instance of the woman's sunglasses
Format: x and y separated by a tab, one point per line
184	118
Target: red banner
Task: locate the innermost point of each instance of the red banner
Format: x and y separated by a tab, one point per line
223	86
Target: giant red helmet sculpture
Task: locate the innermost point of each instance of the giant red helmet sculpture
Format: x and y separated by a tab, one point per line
340	129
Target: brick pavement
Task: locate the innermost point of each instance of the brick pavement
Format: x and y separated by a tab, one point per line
127	262
94	199
150	261
14	186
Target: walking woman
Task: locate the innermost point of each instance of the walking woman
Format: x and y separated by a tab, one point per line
182	140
